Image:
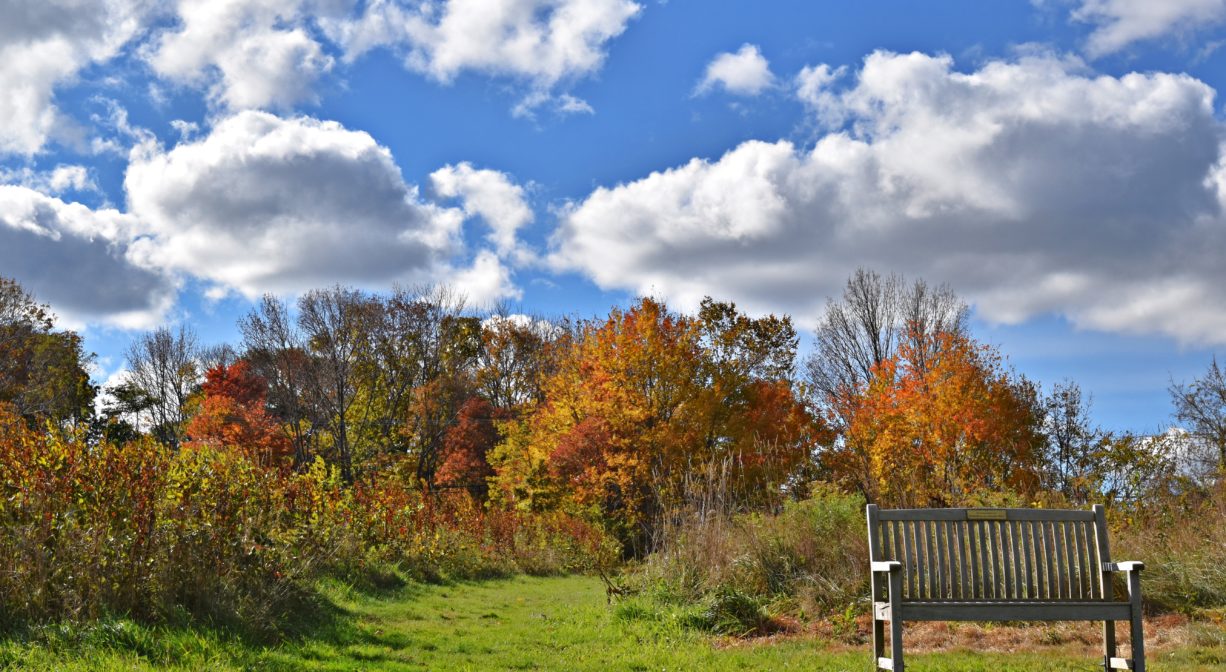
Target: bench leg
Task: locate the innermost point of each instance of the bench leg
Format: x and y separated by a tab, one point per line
896	644
878	640
1108	644
1138	643
896	621
1136	631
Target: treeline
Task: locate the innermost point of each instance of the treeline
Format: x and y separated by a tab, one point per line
620	425
612	416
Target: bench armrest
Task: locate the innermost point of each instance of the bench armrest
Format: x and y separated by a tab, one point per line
886	566
1130	566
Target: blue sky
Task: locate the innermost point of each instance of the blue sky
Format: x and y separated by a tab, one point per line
1057	162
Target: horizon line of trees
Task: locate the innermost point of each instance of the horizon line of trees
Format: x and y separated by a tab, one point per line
616	417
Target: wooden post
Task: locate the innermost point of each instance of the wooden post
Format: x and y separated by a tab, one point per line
896	621
1108	589
1136	631
877	589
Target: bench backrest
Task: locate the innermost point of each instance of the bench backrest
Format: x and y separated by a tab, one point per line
964	555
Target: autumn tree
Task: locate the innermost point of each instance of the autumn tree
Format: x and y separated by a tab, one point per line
359	378
640	400
515	356
1201	404
754	415
163	365
464	461
42	370
960	426
875	316
334	323
861	331
275	349
1073	445
233	414
419	373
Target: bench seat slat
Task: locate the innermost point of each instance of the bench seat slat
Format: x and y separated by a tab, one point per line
1019	591
1074	562
1049	553
959	542
944	564
1057	533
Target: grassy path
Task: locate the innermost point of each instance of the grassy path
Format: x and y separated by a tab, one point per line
517	624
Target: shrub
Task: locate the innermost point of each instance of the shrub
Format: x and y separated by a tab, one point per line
145	531
730	611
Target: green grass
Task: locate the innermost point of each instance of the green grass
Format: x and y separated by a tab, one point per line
514	624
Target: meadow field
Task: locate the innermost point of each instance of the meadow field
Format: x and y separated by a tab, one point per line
558	623
375	481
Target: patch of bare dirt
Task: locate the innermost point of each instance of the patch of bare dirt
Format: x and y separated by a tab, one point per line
1162	633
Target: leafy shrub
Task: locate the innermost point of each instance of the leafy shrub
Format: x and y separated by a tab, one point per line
138	529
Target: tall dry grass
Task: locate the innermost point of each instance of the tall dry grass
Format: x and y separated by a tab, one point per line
1183	546
801	557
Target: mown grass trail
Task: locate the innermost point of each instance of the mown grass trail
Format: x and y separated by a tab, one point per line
515	624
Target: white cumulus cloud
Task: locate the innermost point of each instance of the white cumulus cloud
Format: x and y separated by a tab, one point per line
546	43
492	196
485	282
77	260
44	44
270	204
1119	23
1032	186
744	73
248	53
273	54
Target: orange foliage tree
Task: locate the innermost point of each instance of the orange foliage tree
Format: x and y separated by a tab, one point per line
957	428
641	401
234	414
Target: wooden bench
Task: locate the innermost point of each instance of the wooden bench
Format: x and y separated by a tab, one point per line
997	565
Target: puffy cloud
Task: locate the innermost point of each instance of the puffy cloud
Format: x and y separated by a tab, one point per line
493	197
485	282
272	53
250	53
1031	186
1119	23
44	44
545	42
813	88
267	204
75	259
745	73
